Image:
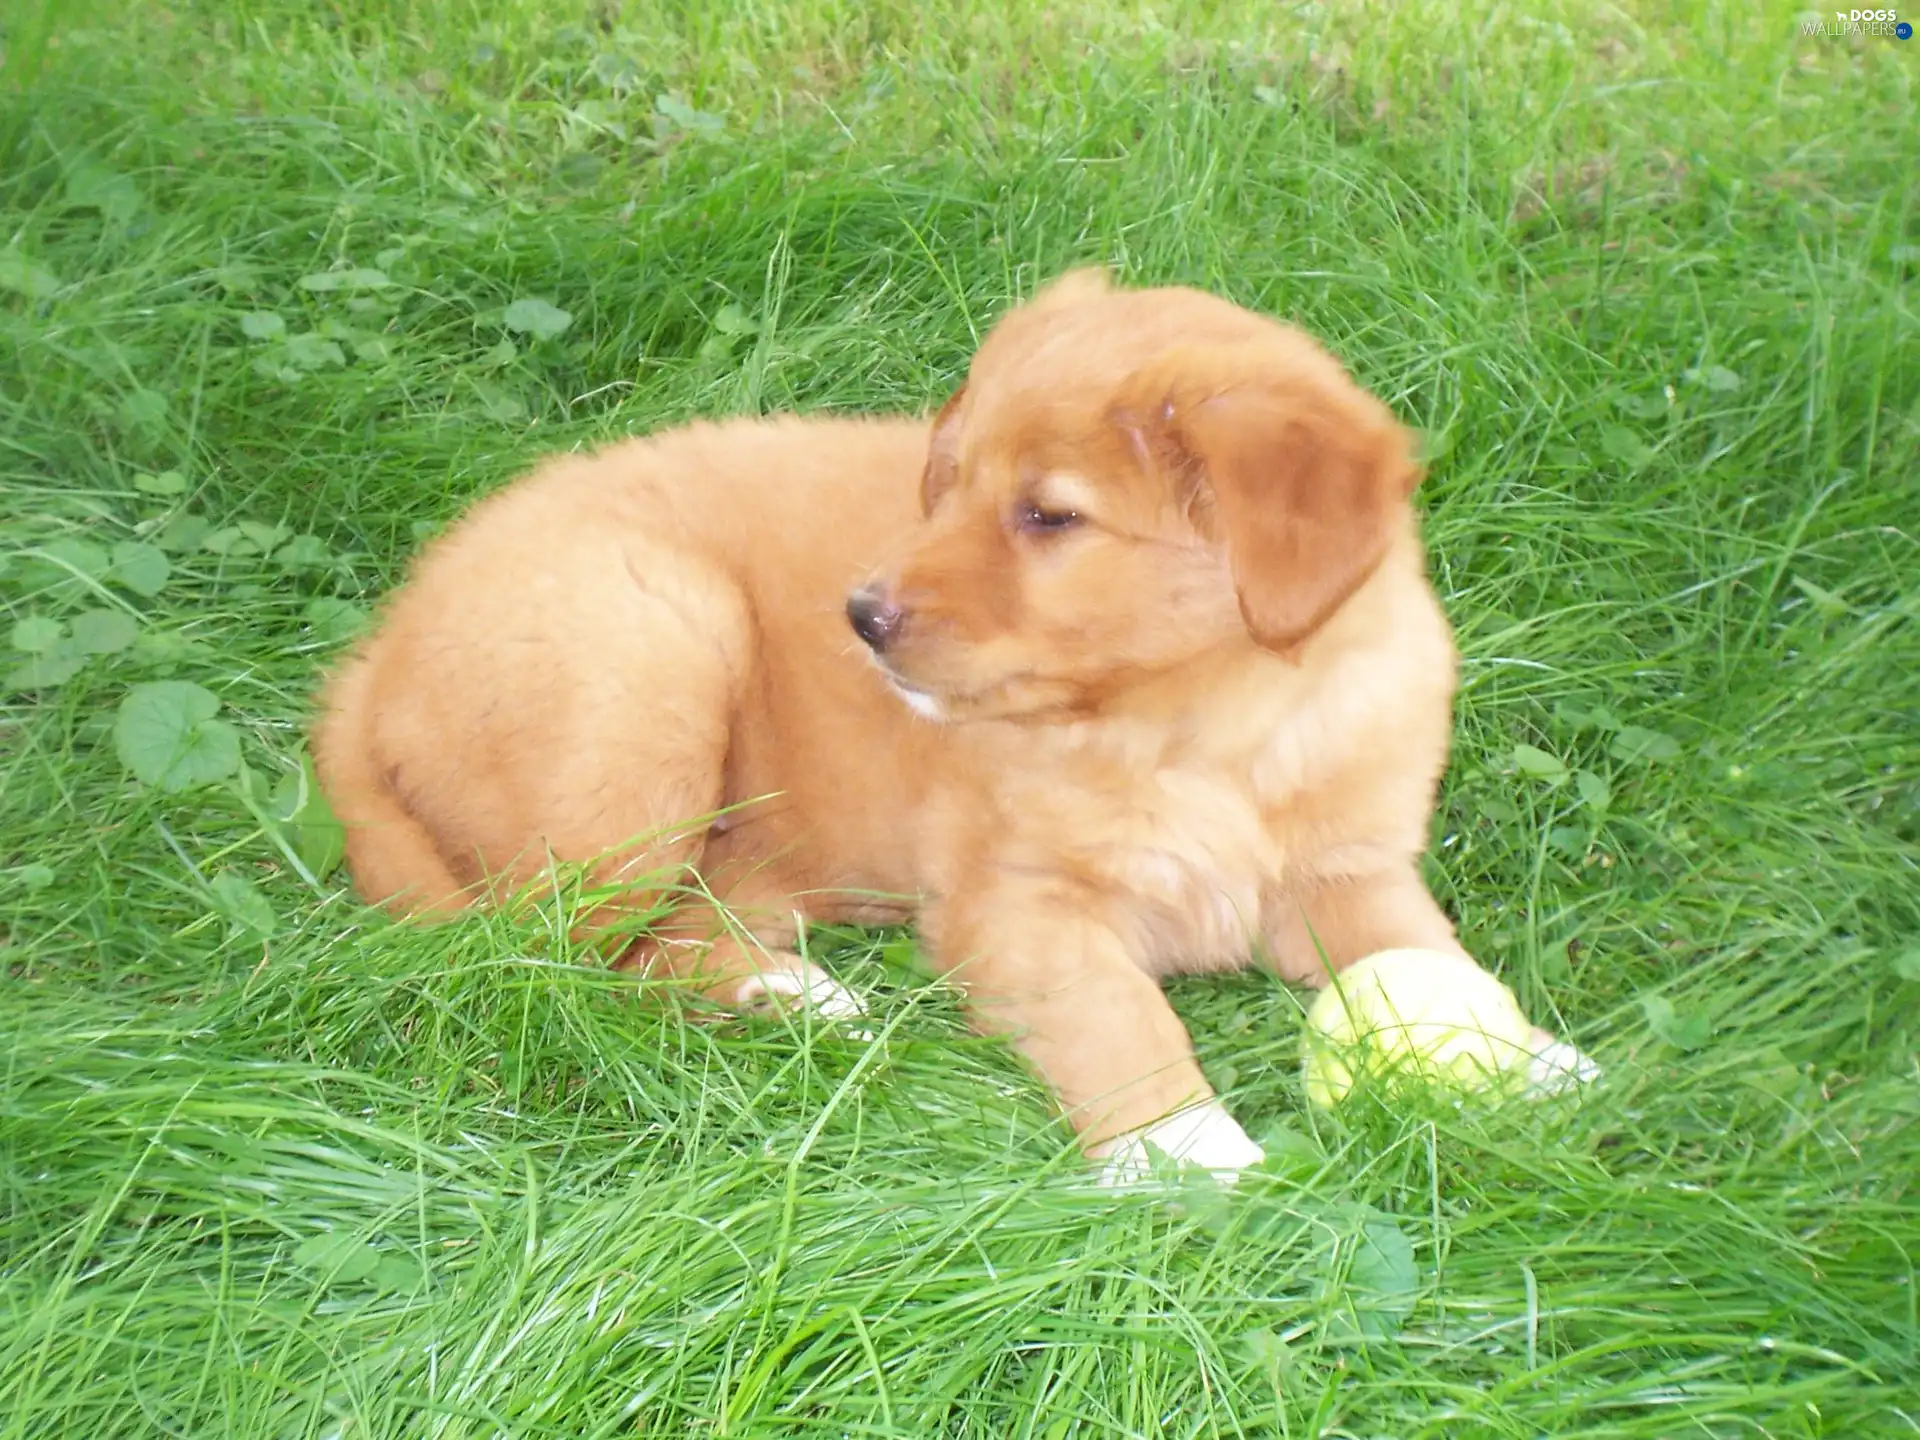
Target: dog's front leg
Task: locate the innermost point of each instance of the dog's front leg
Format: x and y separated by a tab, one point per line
1063	987
1320	929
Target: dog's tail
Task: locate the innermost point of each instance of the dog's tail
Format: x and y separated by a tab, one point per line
390	853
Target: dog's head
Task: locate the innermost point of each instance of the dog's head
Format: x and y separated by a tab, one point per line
1126	481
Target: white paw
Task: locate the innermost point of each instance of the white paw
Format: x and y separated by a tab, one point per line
774	992
1555	1066
1205	1135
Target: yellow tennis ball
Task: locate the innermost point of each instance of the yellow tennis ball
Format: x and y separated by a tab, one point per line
1430	1013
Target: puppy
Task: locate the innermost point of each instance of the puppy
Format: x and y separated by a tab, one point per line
1126	665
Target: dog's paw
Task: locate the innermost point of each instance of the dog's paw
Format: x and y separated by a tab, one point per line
1205	1135
1555	1066
779	992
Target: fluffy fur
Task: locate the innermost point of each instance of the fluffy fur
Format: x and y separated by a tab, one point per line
1157	684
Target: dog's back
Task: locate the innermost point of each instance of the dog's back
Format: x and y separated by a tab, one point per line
565	674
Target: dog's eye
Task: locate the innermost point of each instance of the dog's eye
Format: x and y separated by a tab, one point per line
1034	517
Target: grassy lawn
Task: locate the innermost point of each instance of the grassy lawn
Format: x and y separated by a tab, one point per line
284	284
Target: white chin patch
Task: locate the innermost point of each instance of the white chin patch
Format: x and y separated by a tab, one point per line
1205	1135
918	701
812	989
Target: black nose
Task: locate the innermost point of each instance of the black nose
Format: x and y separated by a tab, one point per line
875	618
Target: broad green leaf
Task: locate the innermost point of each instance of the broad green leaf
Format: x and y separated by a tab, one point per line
23	277
104	632
1907	964
144	409
399	1273
1647	407
313	352
903	955
1620	443
1716	378
164	482
167	736
732	320
264	537
1569	840
333	619
1593	790
1289	1152
1636	742
303	552
262	325
34	876
358	278
37	634
317	836
1572	714
615	71
1585	717
601	113
501	404
1202	1198
685	117
372	350
1266	1351
505	353
141	567
166	650
1530	760
81	555
229	540
1381	1279
337	1257
254	790
45	671
236	897
95	187
183	532
1683	1032
537	318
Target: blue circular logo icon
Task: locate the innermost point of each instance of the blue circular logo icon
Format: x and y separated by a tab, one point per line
1903	31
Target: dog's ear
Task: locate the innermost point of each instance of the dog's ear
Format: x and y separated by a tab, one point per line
1302	474
943	453
1070	288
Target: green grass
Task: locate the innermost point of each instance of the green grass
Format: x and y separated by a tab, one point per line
1645	276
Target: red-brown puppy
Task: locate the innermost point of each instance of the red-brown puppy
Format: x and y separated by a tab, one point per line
1148	678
